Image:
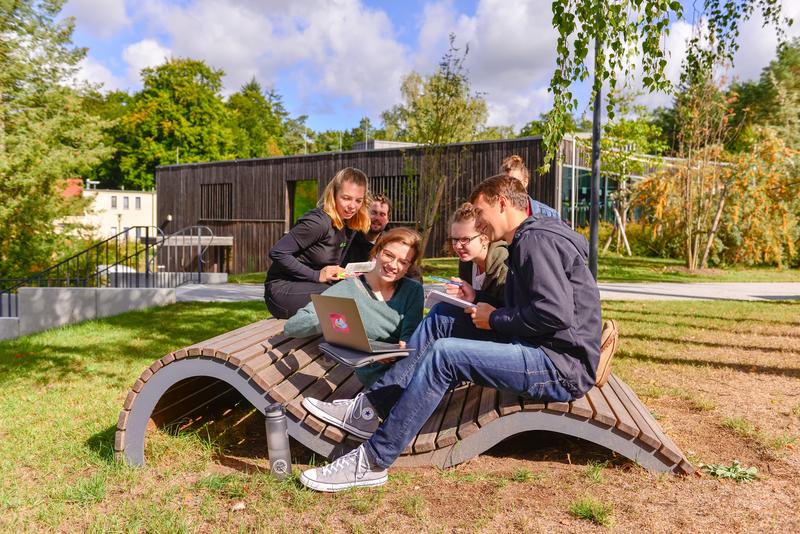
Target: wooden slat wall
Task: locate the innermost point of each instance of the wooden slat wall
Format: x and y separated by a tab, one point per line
259	189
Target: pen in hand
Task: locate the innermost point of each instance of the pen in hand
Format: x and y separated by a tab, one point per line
446	281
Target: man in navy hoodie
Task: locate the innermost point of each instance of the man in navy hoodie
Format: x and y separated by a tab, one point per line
544	343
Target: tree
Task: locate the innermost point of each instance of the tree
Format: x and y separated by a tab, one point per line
437	109
622	33
258	130
178	117
626	143
109	107
537	126
46	136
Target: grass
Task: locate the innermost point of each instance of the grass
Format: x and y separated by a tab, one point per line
593	510
748	430
62	391
613	268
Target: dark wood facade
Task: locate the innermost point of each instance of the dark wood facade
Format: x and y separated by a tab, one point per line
251	200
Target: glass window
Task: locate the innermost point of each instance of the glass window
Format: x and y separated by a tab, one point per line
113	230
138	203
125	203
113	201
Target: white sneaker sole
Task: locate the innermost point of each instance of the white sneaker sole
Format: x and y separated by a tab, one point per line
332	488
325	416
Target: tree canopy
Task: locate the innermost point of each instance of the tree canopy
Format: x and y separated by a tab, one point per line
178	117
46	135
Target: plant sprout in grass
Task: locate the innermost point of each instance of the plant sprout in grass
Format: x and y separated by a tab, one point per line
735	471
592	510
594	471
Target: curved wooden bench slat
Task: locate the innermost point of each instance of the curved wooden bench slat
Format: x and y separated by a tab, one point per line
262	366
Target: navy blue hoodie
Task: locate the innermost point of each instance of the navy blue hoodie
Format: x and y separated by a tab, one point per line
552	300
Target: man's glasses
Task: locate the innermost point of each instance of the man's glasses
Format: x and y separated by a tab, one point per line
463	241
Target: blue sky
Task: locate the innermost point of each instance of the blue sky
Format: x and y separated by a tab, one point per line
339	60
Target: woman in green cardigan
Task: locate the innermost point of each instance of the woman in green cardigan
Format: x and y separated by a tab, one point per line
482	264
389	303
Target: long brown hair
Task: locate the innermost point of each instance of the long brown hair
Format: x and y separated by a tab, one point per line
359	221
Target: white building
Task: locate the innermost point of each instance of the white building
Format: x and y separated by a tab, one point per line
113	211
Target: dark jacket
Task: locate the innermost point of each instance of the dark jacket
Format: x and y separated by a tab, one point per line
359	249
552	300
310	245
494	285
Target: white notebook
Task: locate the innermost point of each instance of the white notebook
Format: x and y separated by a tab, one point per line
438	296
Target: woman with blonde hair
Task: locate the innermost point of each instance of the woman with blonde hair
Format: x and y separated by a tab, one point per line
308	258
481	264
390	304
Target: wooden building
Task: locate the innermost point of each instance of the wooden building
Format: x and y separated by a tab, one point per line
255	201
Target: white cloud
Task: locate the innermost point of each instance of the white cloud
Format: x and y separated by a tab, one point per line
102	18
511	53
331	50
143	54
94	72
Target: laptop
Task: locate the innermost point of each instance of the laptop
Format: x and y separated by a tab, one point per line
341	324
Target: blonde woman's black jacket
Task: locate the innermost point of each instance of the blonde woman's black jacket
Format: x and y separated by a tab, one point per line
494	285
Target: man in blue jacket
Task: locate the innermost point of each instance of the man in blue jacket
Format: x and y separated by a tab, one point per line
544	343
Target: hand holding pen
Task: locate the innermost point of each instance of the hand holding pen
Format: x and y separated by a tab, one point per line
457	287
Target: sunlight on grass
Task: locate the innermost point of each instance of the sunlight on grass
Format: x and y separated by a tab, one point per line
593	510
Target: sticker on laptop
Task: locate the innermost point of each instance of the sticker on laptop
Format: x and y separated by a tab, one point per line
339	323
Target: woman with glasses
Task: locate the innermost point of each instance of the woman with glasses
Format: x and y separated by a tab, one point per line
482	264
390	304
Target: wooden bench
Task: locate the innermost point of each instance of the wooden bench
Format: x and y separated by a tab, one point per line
263	366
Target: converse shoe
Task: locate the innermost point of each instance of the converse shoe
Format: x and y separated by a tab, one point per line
352	470
608	346
356	415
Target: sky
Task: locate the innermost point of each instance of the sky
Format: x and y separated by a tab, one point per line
339	60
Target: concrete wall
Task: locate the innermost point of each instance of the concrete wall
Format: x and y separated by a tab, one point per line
41	308
9	327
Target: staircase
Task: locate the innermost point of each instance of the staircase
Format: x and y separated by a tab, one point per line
139	257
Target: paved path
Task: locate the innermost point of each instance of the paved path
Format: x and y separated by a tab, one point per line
628	291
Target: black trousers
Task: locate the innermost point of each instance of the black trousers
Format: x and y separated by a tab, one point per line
284	297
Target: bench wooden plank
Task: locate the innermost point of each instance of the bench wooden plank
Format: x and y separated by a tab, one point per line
254	339
208	347
291	388
426	437
508	403
581	408
668	447
602	411
469	415
625	422
532	405
320	389
646	434
274	374
560	407
487	412
211	341
448	431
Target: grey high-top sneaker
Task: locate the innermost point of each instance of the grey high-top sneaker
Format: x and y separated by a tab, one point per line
356	415
352	470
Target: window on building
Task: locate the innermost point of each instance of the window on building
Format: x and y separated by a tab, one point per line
216	201
138	203
125	203
113	230
113	201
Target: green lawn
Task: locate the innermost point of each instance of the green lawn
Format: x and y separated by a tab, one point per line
62	391
614	268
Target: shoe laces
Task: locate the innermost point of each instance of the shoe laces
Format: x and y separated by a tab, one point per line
354	411
356	458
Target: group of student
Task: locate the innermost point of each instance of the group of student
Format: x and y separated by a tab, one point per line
534	329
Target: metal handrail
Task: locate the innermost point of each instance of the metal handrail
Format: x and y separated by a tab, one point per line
126	259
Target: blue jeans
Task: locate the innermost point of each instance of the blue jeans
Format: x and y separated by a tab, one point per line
450	350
